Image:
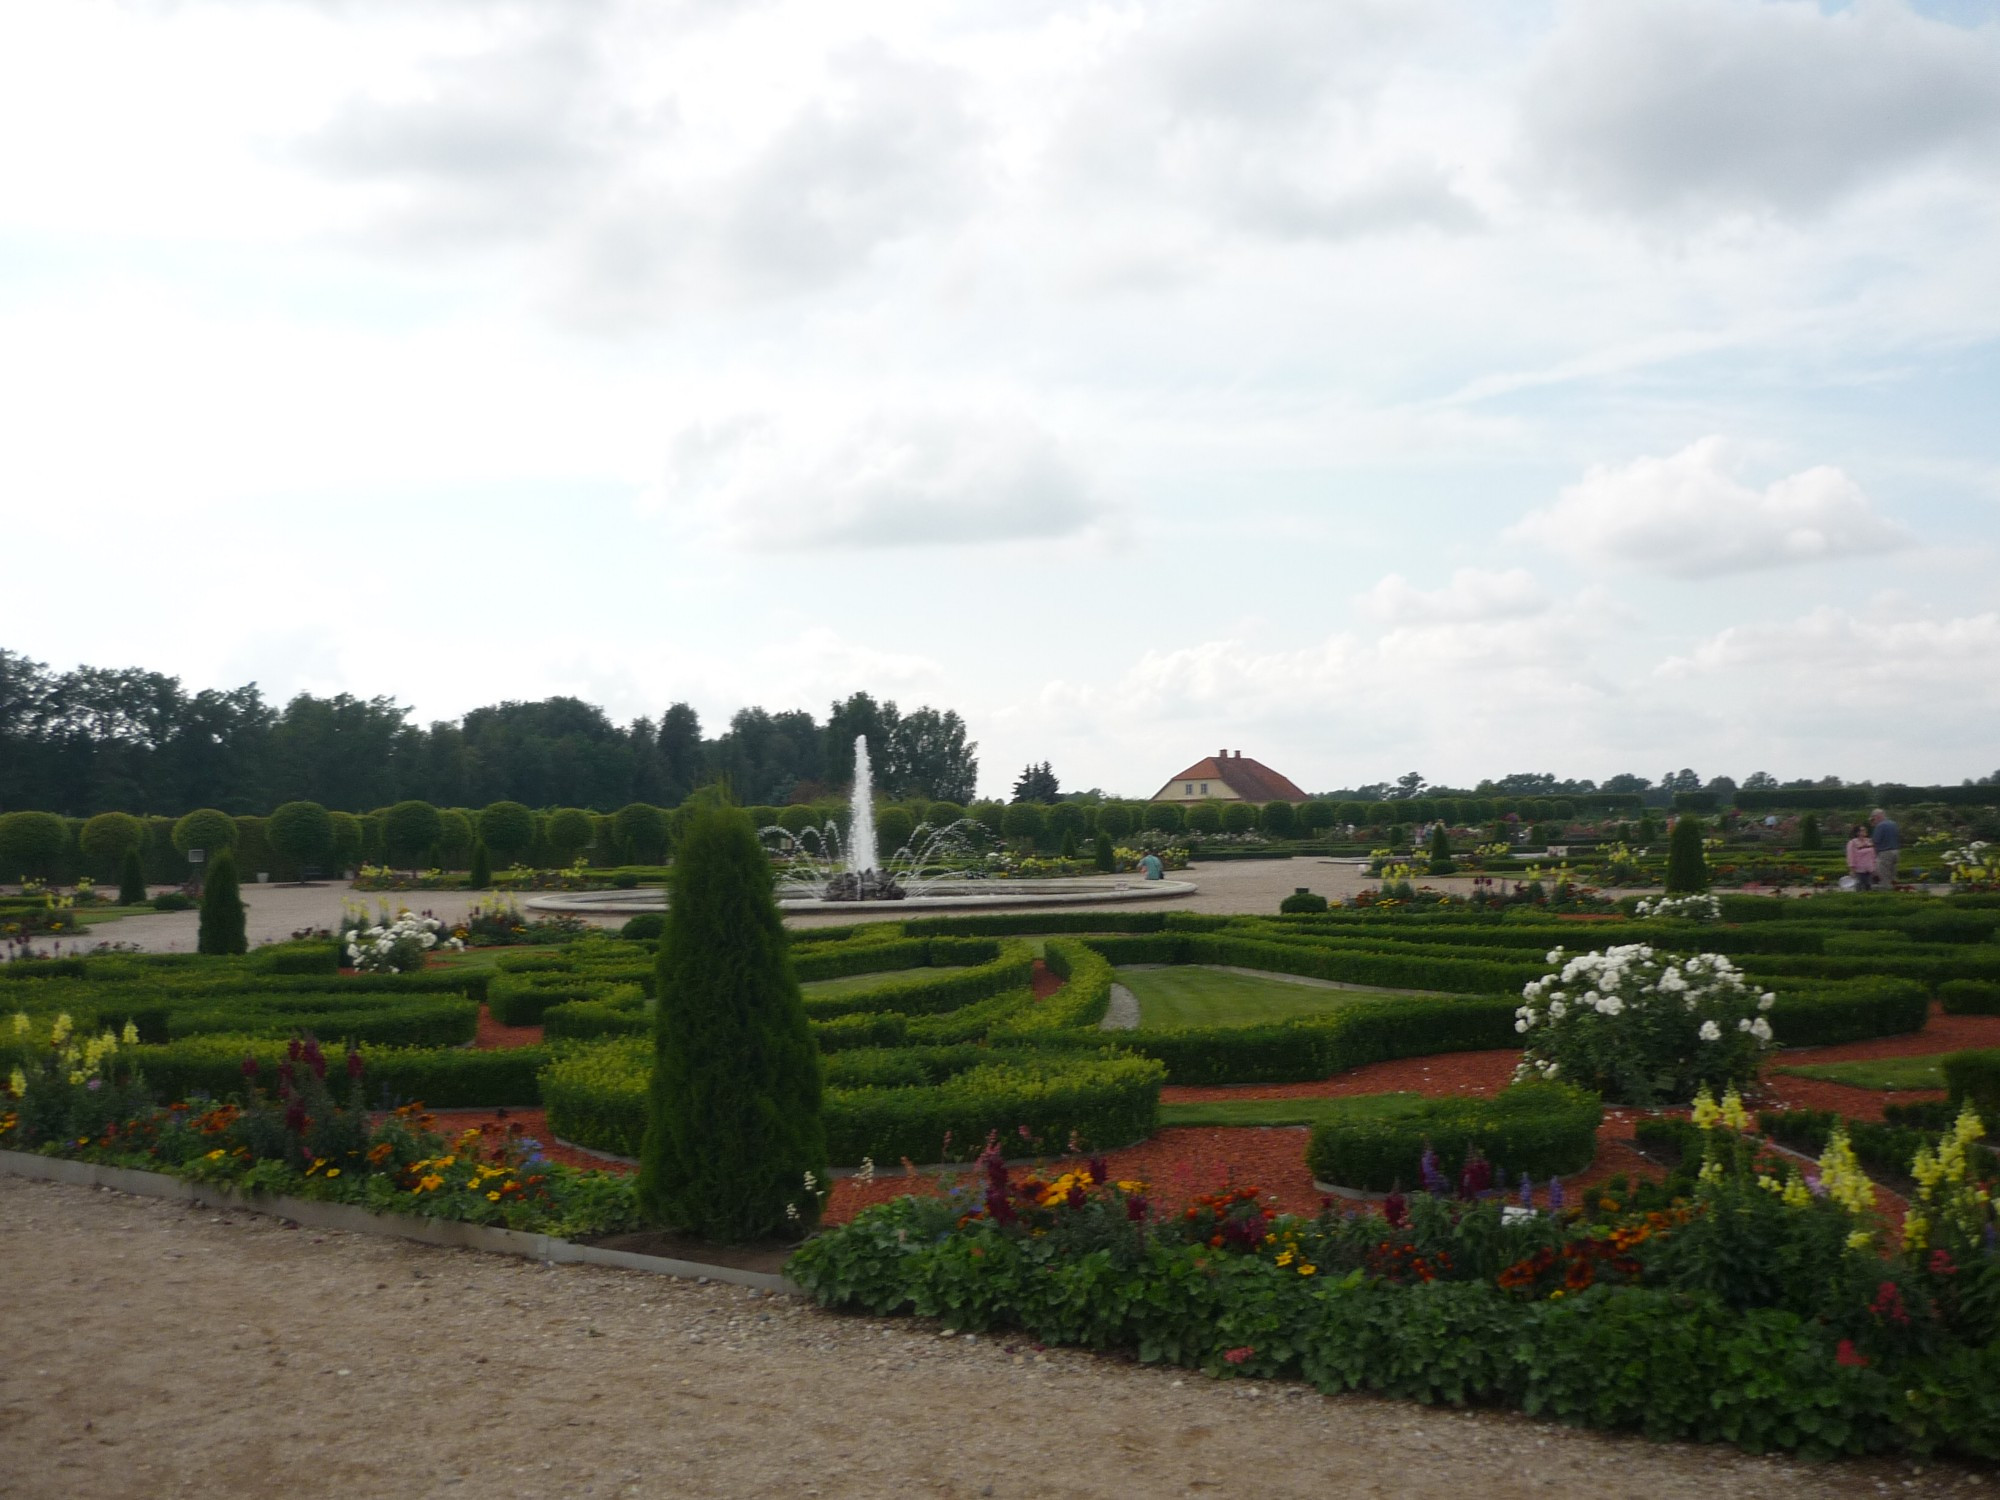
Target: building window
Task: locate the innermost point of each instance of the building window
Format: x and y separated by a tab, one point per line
1204	789
1190	790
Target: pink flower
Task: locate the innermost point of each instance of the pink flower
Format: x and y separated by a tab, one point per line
1846	1354
1238	1355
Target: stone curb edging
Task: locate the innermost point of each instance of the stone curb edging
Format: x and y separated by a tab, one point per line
447	1234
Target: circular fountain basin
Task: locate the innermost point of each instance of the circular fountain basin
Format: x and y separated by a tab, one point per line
956	895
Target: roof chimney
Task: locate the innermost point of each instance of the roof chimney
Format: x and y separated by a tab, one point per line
1239	755
1222	755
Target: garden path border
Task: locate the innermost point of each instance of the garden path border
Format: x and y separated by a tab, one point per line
446	1234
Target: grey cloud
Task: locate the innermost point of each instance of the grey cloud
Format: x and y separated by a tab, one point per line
1647	105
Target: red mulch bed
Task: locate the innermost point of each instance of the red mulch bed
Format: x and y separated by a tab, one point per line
493	1036
1180	1163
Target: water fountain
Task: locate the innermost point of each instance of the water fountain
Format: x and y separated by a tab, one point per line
831	869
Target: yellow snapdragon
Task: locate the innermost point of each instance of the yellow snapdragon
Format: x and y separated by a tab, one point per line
1846	1184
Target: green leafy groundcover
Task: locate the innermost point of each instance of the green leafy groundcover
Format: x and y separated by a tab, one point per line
1733	1317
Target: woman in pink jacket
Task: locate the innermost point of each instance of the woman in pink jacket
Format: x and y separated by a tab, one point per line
1861	858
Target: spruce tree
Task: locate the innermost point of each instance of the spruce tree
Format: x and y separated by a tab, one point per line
735	1149
1687	868
1107	858
1441	860
132	880
222	925
1809	831
482	867
1069	843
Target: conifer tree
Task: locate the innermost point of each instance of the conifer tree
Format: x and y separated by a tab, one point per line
132	880
1809	831
1441	860
482	867
1687	867
222	926
1107	858
735	1148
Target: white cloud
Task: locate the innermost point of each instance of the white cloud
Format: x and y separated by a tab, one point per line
1473	594
1886	658
1689	516
899	478
1652	105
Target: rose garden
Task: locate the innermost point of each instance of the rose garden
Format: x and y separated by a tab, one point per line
1632	1128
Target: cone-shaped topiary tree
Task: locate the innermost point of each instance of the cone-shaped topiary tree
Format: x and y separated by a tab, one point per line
482	867
1687	868
222	925
132	880
734	1149
1441	860
1809	831
1106	857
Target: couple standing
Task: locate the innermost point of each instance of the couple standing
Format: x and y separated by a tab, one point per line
1873	850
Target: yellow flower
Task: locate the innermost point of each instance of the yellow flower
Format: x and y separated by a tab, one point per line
1733	1113
1711	1171
493	1197
1797	1194
1916	1231
131	1034
1308	1270
1845	1182
1861	1239
1769	1183
18	1082
333	1171
59	1033
21	1023
1286	1258
1705	1111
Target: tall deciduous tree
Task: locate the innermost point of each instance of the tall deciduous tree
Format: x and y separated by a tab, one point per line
735	1148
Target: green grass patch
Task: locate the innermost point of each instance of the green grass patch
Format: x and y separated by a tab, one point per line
1887	1073
848	983
1195	995
1219	1112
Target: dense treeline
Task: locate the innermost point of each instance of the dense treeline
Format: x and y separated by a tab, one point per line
128	740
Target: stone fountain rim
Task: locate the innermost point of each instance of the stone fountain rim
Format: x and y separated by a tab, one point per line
1016	893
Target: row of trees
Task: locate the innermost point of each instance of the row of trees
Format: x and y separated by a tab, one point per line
130	740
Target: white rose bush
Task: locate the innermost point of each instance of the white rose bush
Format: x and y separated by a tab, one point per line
391	946
1695	906
1643	1027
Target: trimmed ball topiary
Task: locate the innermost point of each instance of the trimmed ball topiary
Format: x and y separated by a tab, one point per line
735	1148
569	831
1302	901
223	929
1204	817
1238	817
893	828
641	831
107	838
302	834
508	830
205	828
1279	819
408	831
1687	867
1114	819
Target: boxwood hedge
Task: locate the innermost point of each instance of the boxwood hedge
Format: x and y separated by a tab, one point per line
1543	1129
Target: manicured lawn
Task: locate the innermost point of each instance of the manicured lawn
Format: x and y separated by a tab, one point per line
1290	1111
1192	995
1888	1073
872	981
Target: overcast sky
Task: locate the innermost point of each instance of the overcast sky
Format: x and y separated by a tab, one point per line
1469	387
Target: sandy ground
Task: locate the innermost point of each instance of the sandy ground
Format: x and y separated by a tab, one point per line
156	1350
277	911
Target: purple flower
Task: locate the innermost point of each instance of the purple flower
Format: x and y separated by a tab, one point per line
1527	1191
249	1067
1434	1182
95	1083
1555	1195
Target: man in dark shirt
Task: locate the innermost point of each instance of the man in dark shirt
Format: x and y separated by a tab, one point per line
1888	840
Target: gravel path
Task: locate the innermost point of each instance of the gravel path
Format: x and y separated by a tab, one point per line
1122	1014
156	1350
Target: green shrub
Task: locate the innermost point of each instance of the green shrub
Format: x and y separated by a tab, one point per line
1825	1015
1084	996
1103	857
205	828
1441	862
621	1013
107	842
508	830
409	829
1238	817
1279	819
222	913
569	831
1687	868
1313	1047
1545	1130
441	1077
641	831
1114	820
32	844
1011	968
1974	1076
861	1029
734	1132
647	927
301	956
1022	820
1970	997
1302	901
132	880
481	875
302	834
346	840
1809	837
1204	817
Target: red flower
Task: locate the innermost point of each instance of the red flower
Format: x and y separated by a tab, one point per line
1846	1354
1238	1355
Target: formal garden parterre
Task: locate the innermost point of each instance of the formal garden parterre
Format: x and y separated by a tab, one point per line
1748	1286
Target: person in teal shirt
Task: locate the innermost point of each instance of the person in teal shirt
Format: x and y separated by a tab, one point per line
1151	868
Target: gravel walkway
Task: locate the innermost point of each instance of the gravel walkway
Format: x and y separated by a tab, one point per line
1122	1014
157	1350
